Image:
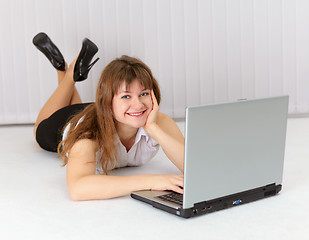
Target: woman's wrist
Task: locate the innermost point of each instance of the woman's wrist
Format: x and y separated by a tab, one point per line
151	129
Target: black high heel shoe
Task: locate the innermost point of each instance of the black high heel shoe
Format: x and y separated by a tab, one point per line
49	49
82	65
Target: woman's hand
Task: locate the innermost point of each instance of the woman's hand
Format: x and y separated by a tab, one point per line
165	131
167	182
153	115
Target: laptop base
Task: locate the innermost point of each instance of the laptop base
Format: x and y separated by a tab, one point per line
216	204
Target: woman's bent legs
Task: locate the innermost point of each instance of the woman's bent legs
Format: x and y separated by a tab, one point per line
76	99
64	95
54	114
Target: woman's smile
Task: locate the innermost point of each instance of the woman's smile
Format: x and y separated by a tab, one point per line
137	114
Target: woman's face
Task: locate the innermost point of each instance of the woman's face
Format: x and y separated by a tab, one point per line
132	105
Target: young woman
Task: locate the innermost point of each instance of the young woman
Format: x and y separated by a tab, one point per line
123	127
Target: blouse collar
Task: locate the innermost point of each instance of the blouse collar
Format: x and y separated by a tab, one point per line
140	132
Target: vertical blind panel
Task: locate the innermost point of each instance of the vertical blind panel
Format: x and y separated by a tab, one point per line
219	34
200	51
261	48
178	58
302	49
206	51
289	57
192	63
233	50
247	63
164	50
275	48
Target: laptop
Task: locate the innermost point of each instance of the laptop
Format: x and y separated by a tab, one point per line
234	154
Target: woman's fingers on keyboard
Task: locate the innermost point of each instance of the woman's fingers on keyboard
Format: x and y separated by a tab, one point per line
178	183
168	182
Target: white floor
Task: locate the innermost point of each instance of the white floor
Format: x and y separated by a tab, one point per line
34	202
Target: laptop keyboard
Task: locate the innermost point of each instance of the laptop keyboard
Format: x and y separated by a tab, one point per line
172	197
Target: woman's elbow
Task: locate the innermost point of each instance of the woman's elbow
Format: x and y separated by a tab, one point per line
75	195
78	193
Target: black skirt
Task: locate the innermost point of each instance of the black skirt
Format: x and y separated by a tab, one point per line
49	131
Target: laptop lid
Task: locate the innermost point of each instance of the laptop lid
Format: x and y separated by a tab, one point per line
233	147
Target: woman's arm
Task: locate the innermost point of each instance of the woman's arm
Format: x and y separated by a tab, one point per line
84	184
166	132
170	138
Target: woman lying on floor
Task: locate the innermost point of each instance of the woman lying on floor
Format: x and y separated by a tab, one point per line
123	127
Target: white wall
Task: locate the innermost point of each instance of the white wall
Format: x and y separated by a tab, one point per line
201	51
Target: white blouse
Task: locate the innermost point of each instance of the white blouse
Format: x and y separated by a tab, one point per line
143	150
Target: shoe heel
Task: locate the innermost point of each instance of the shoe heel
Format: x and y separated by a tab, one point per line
91	65
82	65
85	74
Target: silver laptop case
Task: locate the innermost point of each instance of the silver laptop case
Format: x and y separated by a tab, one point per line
234	154
233	147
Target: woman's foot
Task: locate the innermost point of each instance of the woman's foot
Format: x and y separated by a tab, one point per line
50	50
82	64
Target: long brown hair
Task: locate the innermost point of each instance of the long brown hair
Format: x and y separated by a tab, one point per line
97	119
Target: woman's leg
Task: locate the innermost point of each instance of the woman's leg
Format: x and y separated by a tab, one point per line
76	99
64	95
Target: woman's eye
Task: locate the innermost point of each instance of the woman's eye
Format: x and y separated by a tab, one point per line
125	97
144	94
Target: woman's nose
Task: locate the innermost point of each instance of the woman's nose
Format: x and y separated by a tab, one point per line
137	103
